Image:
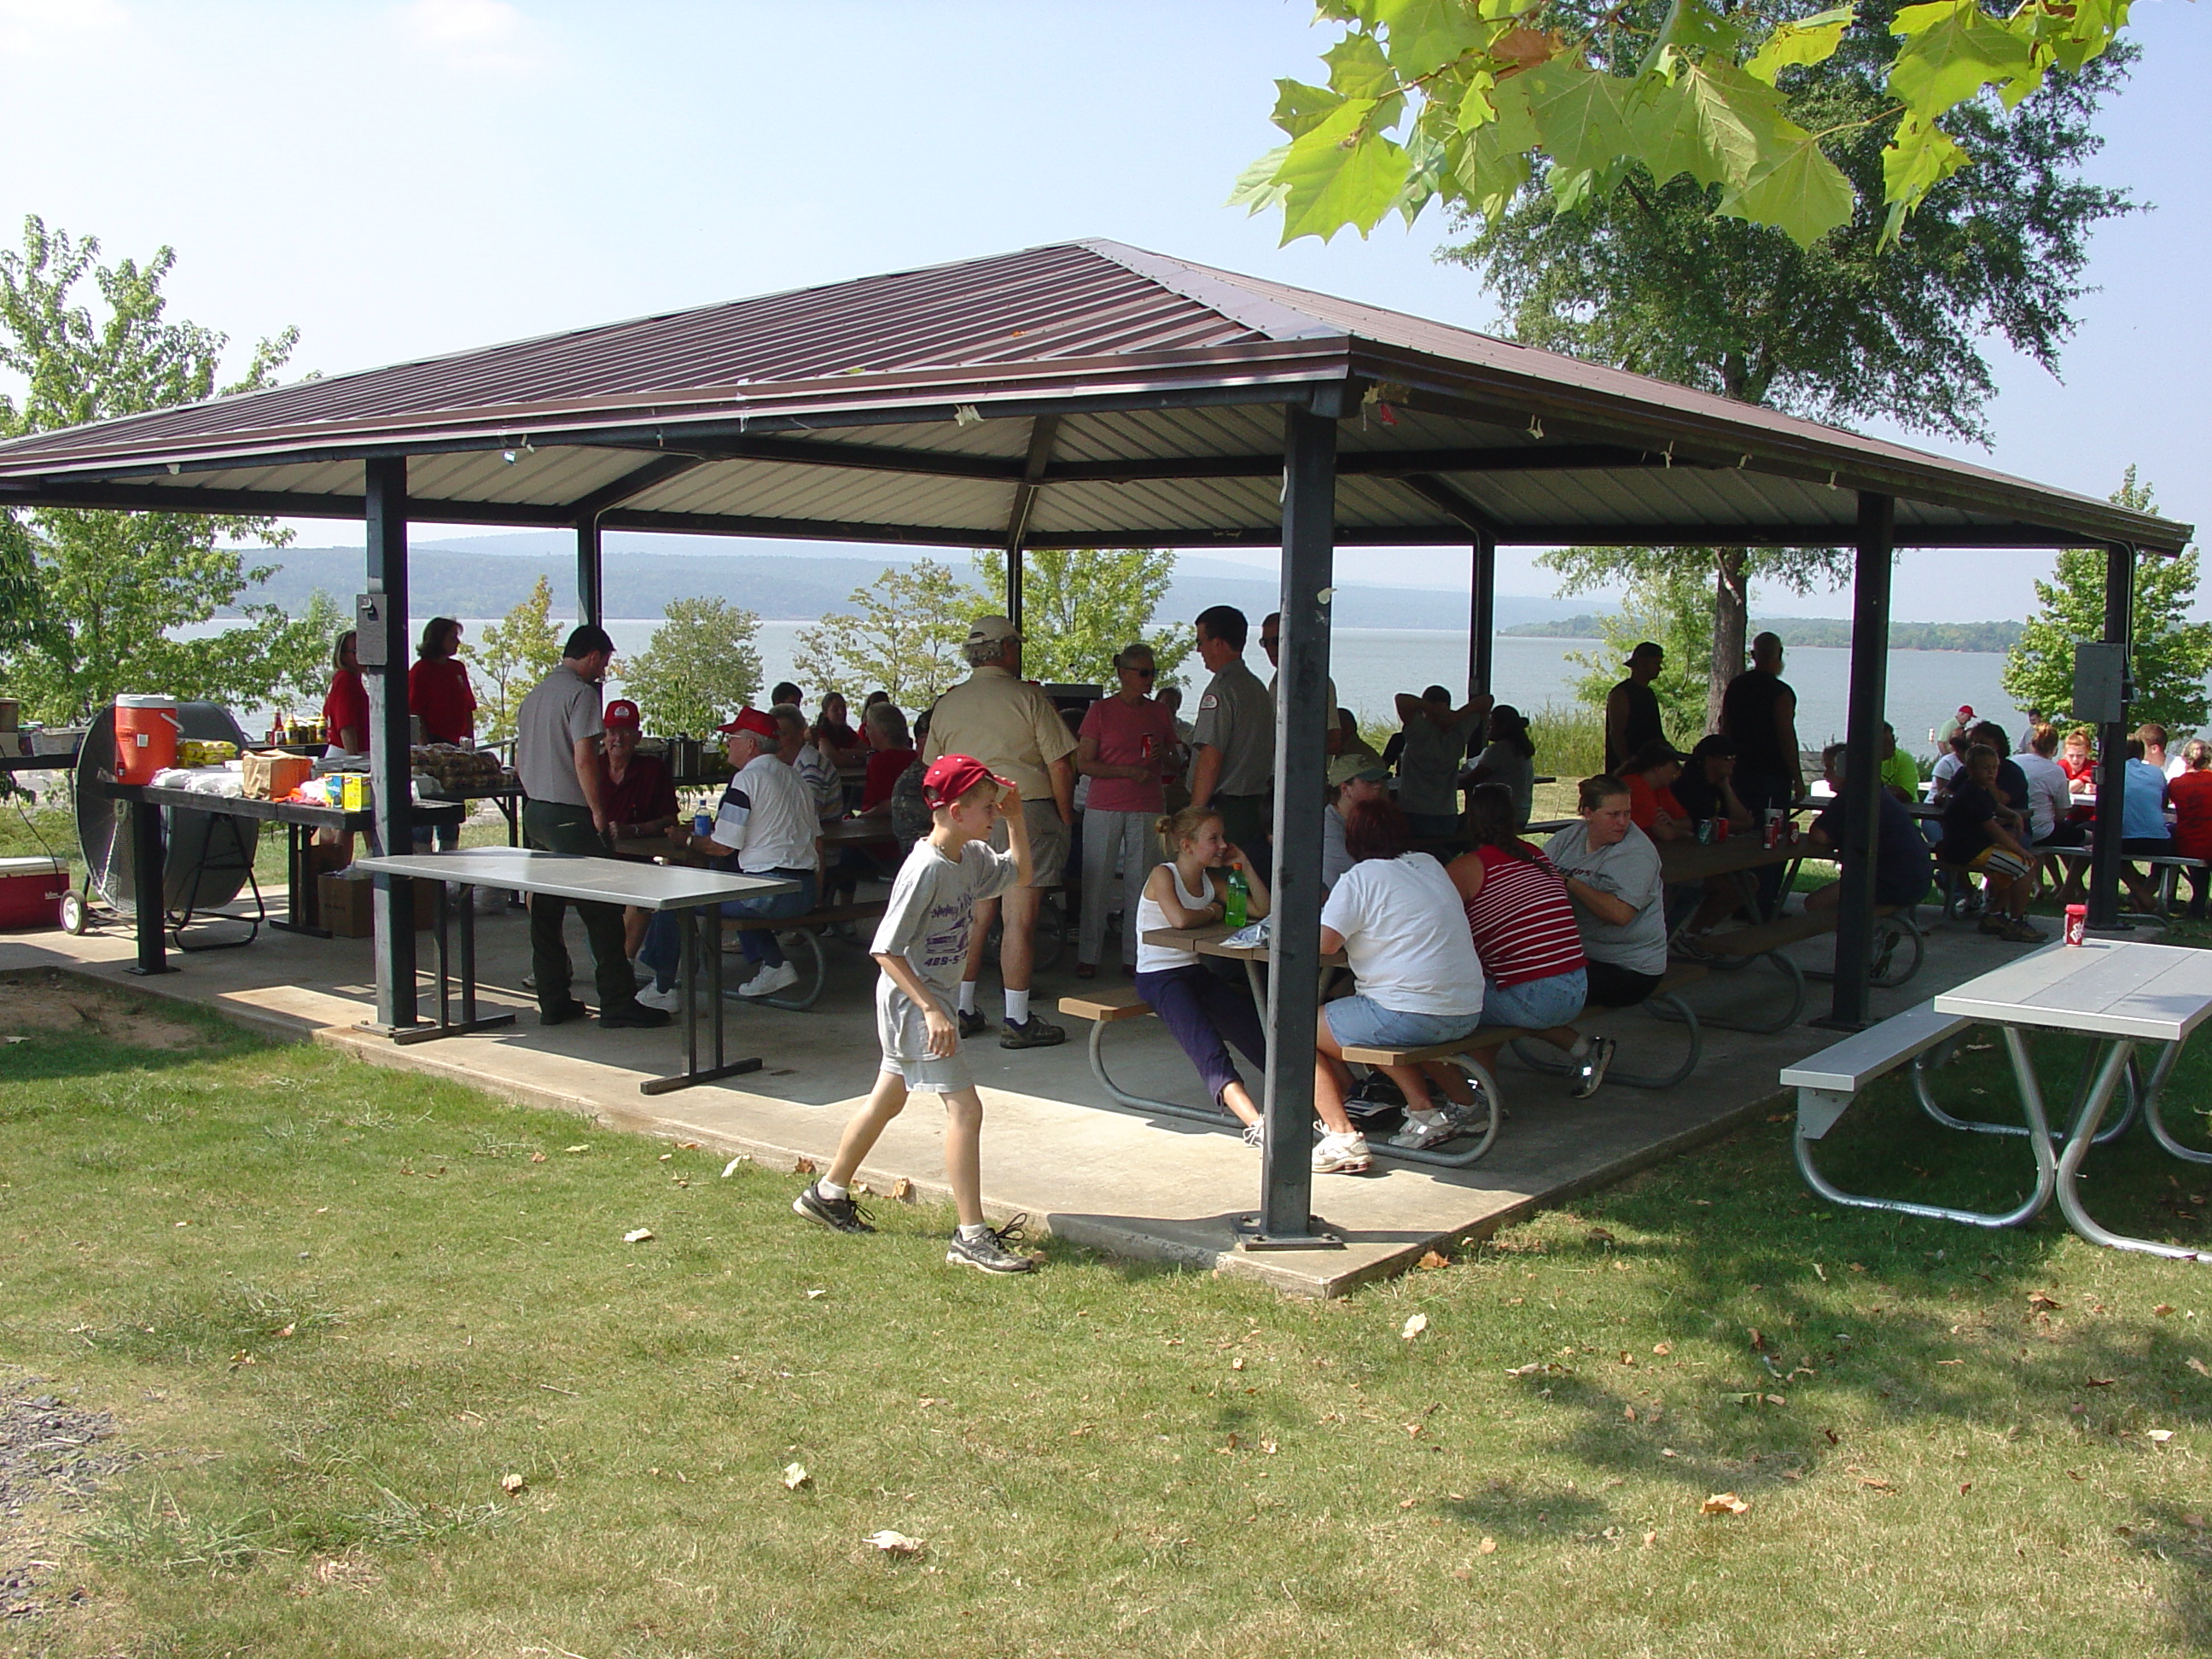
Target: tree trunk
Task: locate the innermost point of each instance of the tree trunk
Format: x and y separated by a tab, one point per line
1731	608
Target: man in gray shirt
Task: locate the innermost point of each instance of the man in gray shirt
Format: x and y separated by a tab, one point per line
1233	762
564	787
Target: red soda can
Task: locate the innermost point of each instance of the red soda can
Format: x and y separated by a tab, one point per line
1774	826
1720	829
1152	744
2077	923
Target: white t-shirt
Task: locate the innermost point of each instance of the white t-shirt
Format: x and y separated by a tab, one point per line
1405	933
2049	797
767	817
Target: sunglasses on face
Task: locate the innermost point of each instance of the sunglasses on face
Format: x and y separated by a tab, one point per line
1141	673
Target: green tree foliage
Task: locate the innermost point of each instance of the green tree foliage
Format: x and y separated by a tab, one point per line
1667	604
514	655
1466	101
1080	605
89	600
1656	278
904	636
2171	655
701	668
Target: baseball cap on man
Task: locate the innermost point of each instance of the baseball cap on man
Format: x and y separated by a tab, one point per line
621	712
1647	648
1717	746
1343	768
992	630
751	720
952	776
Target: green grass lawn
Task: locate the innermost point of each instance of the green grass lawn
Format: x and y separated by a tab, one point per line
331	1308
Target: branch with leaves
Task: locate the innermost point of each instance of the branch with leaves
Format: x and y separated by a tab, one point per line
1456	100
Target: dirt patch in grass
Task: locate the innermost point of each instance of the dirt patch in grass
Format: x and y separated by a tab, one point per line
51	1459
69	1006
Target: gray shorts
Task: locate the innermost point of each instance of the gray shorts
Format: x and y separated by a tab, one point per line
902	1032
1047	842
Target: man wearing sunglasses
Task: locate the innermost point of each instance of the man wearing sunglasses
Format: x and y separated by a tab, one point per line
1124	749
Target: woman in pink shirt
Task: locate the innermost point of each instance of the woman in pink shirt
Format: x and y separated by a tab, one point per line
1122	747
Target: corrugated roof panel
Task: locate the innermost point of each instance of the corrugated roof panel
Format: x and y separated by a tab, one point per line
1153	504
763	490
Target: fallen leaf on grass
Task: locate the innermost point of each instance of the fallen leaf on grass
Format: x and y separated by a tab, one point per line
665	1156
15	1039
2042	1304
538	1158
894	1543
576	1149
1662	1349
1237	1364
1821	1272
288	1330
816	1296
687	1145
731	1167
1874	1484
1487	1546
510	1484
1650	1539
2197	1365
637	1235
1414	1325
1629	1411
795	1476
2160	1435
1723	1503
805	1166
1434	1259
2100	1381
2163	1308
902	1190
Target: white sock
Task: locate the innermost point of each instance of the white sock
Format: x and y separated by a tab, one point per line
1017	1007
829	1189
972	1231
967	996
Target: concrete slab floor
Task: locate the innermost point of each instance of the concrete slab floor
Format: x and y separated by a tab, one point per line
1054	1146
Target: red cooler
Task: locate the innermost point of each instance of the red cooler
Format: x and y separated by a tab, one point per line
31	892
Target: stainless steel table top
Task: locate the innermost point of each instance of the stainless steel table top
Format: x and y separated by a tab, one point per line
573	876
2103	988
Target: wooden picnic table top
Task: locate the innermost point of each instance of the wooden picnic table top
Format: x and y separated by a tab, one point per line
1699	860
1210	941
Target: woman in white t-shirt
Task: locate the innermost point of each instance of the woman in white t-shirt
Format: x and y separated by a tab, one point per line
1398	920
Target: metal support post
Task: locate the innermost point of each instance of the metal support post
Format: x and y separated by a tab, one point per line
1868	697
591	583
390	738
1043	431
1482	617
1014	585
1286	1217
2113	753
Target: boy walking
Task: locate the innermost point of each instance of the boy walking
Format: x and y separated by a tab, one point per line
921	946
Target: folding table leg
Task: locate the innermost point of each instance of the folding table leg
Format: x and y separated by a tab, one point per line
702	928
2109	1076
469	1020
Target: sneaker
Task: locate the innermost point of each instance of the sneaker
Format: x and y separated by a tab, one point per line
838	1214
769	981
633	1019
1033	1033
2023	932
530	982
1255	1135
1425	1129
989	1253
1994	926
972	1023
669	1001
1336	1154
1590	1070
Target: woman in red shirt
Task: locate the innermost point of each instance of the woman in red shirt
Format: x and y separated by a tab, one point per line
2189	792
437	690
345	705
1650	775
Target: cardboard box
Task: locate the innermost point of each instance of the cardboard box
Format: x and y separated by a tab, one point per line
346	902
272	774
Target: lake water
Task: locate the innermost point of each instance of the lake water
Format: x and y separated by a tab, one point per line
1371	666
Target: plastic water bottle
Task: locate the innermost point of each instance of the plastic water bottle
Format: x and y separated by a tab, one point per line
1234	906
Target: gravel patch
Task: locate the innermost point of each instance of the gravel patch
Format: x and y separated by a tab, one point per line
52	1460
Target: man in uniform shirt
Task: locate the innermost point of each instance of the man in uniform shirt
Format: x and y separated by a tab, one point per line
1012	727
1271	641
764	826
1632	707
1233	761
567	809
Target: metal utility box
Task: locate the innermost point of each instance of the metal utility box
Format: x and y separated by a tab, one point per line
2100	683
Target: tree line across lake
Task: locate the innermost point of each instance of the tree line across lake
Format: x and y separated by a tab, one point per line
1825	631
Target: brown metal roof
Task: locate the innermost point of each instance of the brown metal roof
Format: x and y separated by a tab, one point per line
906	407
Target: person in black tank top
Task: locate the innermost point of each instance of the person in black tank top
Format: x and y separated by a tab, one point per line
1759	714
1632	707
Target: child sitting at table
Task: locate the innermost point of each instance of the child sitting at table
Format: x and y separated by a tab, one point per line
921	945
1205	1012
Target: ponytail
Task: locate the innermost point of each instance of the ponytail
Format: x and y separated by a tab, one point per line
1178	828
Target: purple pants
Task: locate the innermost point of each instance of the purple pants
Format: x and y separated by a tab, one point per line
1206	1013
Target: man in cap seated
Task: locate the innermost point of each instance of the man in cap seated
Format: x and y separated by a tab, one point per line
639	799
764	826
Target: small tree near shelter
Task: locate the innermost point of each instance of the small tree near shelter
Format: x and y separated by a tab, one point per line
514	655
701	668
1080	605
904	636
2170	654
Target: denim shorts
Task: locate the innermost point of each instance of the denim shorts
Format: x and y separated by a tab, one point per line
1538	1005
1358	1022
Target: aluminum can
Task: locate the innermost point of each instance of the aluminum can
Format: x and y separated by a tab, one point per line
1774	826
1705	832
2077	923
1720	829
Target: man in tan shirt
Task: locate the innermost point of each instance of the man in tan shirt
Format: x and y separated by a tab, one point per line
1000	719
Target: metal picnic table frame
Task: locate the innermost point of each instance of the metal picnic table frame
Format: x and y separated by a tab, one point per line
695	894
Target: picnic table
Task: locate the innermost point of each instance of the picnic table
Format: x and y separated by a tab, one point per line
2119	992
695	894
1212	941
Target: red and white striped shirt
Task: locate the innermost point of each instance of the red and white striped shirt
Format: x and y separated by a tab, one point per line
1522	921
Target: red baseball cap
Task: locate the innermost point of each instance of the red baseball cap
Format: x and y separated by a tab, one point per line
749	719
621	712
952	776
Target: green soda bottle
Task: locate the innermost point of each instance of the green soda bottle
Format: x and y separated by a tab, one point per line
1240	893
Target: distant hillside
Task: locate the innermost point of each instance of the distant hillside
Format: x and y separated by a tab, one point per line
1834	631
456	581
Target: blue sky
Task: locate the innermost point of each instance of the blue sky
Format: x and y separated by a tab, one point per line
402	178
